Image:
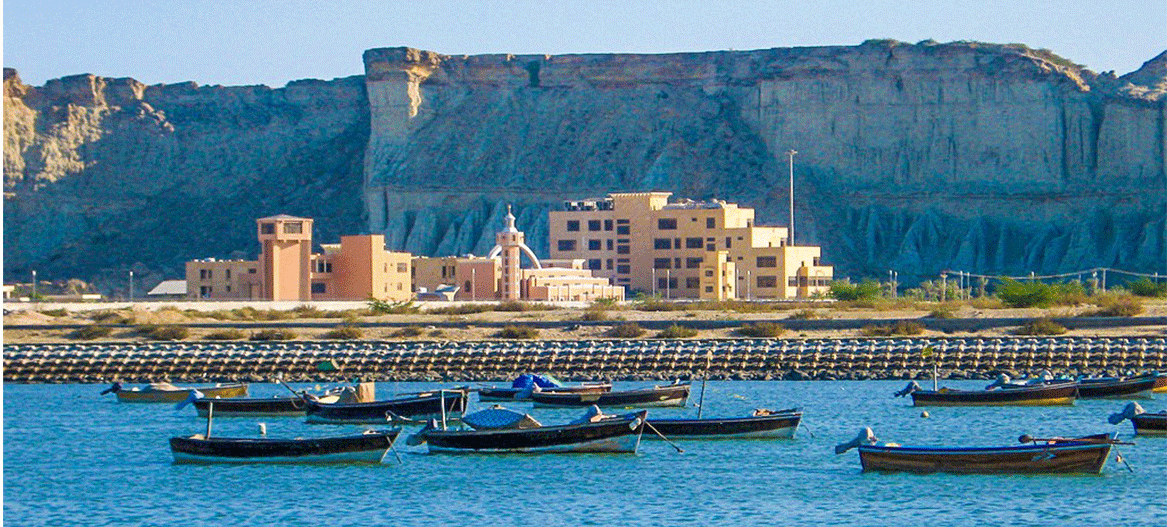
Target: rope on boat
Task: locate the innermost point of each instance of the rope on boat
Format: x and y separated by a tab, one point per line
662	436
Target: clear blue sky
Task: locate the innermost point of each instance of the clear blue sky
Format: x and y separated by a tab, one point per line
234	42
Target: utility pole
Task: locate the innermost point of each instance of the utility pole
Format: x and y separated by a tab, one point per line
790	154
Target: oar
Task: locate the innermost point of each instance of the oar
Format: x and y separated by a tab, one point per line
1107	441
802	424
662	436
393	447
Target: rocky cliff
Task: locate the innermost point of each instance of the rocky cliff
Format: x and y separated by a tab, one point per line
985	158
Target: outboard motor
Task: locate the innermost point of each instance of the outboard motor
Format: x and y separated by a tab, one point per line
117	387
865	437
1129	411
420	437
1002	380
911	387
194	396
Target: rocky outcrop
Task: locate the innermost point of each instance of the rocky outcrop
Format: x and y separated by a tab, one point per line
986	158
919	158
106	175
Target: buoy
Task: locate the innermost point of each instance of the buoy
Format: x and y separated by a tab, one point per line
924	414
262	429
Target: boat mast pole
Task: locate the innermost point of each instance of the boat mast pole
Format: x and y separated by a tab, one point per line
701	403
442	398
210	415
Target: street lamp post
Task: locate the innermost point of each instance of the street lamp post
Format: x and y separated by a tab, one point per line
473	284
131	286
790	232
34	285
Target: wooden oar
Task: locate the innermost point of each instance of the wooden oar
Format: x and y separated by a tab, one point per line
662	436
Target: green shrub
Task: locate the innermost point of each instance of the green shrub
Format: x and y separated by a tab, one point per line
594	315
307	311
901	327
625	331
62	312
761	330
943	312
111	317
382	307
848	292
1145	287
462	309
517	332
806	314
273	334
1038	294
344	332
517	306
676	331
1041	326
656	304
91	332
437	333
226	334
407	331
155	332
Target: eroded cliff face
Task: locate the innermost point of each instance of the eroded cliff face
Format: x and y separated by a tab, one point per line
106	175
918	158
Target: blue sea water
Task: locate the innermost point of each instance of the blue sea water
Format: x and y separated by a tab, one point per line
72	457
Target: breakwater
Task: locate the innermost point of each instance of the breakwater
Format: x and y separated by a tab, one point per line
760	359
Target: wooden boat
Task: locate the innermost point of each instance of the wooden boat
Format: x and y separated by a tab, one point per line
283	406
426	405
1126	388
657	396
1040	395
607	434
522	386
1085	455
1160	383
369	447
1144	423
165	392
780	424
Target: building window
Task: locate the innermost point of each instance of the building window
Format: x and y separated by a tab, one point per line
662	263
607	225
228	276
610	245
468	288
693	263
623	269
623	249
767	281
662	243
319	288
666	283
728	242
595	245
228	289
609	266
294	227
694	243
767	261
623	229
692	282
573	225
710	223
251	271
708	289
566	245
593	225
666	224
403	268
267	228
206	290
709	273
595	264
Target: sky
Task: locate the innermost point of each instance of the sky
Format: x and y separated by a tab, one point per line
239	42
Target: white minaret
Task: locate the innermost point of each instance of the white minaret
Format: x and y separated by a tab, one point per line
510	244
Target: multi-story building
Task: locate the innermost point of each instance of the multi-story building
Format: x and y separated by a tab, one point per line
357	268
687	249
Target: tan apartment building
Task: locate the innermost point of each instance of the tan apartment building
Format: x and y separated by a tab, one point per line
357	268
686	249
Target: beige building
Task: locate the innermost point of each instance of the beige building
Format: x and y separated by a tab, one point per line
687	249
357	268
500	276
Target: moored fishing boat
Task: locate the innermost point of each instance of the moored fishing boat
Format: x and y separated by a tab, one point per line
1160	383
1084	455
1123	388
592	434
524	384
763	424
165	392
426	405
1038	395
657	396
1144	423
283	406
369	447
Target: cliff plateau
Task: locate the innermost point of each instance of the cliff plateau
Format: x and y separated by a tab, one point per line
919	158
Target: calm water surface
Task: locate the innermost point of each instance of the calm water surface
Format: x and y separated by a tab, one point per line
72	457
